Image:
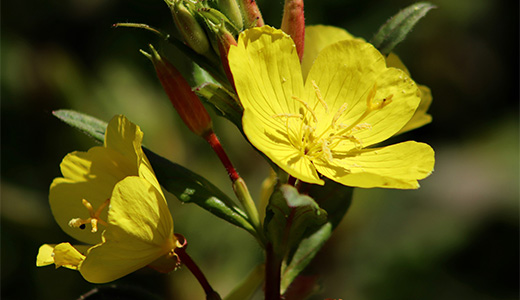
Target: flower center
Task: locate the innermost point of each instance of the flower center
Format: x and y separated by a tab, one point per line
302	128
94	218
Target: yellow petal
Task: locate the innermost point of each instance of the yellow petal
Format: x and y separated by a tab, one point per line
397	166
124	137
420	117
62	255
318	37
393	61
345	73
140	210
88	175
45	255
113	260
266	69
140	231
278	148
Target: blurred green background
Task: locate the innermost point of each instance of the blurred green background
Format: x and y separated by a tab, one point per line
455	238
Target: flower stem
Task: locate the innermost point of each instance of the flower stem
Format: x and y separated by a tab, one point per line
239	185
273	266
214	142
195	270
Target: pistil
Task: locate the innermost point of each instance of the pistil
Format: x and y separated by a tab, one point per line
94	218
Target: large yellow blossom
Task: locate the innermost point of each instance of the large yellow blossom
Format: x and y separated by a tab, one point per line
110	198
350	100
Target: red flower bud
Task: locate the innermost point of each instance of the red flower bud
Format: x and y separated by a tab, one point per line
225	40
251	14
293	23
184	100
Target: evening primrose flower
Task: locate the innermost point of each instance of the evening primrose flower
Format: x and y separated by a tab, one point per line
110	199
318	37
350	100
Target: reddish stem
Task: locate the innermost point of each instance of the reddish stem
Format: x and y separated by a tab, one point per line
273	276
291	180
195	270
214	142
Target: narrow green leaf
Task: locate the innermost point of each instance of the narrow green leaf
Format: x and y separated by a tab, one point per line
186	185
88	125
335	199
222	101
396	28
289	215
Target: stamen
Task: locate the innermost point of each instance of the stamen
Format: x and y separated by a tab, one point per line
341	110
94	218
309	109
318	95
326	151
371	96
362	126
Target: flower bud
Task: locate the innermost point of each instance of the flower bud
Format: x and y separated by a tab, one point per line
225	40
193	34
231	10
251	14
184	100
293	23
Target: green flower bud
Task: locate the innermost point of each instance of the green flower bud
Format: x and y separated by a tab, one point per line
231	9
193	34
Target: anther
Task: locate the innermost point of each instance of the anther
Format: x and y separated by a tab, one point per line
318	95
341	110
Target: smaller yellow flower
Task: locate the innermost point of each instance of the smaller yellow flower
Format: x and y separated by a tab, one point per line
112	190
322	123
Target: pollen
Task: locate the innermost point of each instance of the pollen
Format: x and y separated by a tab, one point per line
94	218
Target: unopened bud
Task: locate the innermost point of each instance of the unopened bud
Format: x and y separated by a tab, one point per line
193	34
225	41
251	14
231	10
184	100
293	23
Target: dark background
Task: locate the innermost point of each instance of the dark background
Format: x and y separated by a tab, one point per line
455	238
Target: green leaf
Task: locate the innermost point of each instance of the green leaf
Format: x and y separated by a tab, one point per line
396	28
335	199
186	185
88	125
224	103
288	216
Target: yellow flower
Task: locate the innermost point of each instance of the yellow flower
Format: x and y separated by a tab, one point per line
109	197
318	37
350	100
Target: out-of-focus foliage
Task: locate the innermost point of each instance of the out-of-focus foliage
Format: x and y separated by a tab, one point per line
455	238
